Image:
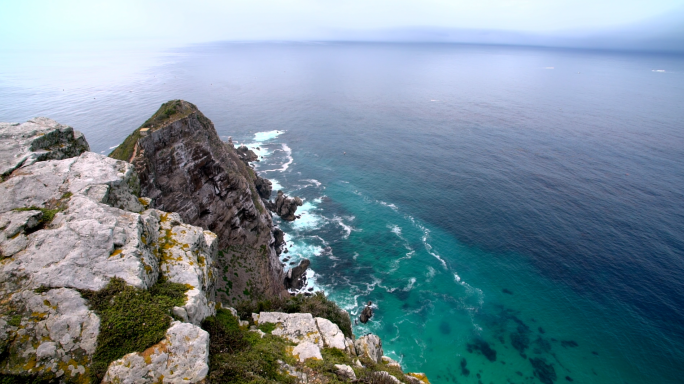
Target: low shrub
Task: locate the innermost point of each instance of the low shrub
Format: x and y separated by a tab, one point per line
241	356
131	319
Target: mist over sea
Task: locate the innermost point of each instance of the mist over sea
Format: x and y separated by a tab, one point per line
515	214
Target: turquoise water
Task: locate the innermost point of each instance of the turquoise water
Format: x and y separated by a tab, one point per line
513	213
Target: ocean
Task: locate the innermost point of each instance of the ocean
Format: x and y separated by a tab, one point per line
515	214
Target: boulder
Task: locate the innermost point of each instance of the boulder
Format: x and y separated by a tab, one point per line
285	206
370	347
367	313
246	154
182	357
295	278
384	377
417	378
345	372
296	327
307	350
388	361
331	334
38	139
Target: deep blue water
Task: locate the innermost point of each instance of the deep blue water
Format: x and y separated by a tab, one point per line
514	213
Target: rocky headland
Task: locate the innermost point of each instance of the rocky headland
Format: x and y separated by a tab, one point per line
158	264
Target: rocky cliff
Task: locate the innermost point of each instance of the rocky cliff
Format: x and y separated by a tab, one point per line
184	167
98	286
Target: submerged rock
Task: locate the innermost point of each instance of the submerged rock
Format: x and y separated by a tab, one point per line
367	313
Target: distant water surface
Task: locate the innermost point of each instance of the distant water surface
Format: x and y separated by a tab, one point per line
516	215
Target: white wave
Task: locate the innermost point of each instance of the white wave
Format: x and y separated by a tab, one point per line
289	161
314	182
411	283
658	70
268	135
275	185
346	228
396	230
394	207
356	254
308	220
430	273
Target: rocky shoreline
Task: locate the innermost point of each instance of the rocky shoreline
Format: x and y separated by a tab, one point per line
155	244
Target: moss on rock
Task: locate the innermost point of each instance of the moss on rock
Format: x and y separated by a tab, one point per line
131	319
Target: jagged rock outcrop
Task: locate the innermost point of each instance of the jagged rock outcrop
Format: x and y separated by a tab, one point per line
71	225
302	327
182	357
184	167
296	277
36	140
369	346
367	313
264	187
285	206
246	154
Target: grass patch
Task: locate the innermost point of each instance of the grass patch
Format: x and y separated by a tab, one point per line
241	356
317	305
16	379
45	220
131	319
267	327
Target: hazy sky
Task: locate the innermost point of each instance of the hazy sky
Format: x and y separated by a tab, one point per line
49	22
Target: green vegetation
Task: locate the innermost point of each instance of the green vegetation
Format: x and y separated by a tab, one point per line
131	319
45	220
317	305
171	110
240	356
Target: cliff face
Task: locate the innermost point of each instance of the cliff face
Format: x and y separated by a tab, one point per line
184	167
72	229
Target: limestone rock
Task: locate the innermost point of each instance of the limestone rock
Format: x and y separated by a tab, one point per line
296	327
296	277
307	350
184	167
390	362
369	346
36	140
101	179
384	377
345	372
331	334
54	333
351	350
182	357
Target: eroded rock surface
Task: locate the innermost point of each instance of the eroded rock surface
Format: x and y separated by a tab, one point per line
369	346
73	224
295	278
182	357
285	206
184	167
36	140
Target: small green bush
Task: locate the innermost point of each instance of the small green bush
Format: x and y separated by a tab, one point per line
241	356
317	305
16	379
131	319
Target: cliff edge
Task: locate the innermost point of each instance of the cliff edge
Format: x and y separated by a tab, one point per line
184	167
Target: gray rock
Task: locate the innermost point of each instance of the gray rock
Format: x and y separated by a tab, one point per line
367	313
384	378
296	277
369	346
182	357
246	154
36	140
285	206
390	362
184	167
345	372
331	334
307	350
296	327
264	187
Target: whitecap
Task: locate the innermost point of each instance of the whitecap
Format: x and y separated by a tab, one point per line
268	135
275	185
114	146
346	228
394	207
314	182
658	70
288	156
